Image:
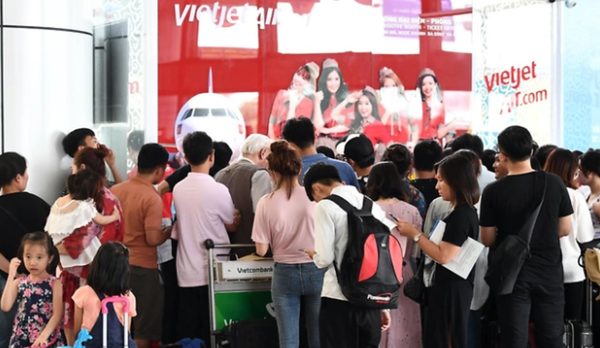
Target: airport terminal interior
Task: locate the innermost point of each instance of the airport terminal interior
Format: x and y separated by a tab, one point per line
300	173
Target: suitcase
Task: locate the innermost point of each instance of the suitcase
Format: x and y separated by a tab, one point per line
84	336
578	334
105	302
252	333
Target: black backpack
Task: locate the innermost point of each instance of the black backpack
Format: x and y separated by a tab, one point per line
371	270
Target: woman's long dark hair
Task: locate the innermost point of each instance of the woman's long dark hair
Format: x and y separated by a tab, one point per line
563	163
385	182
109	271
340	94
11	165
357	122
285	161
457	171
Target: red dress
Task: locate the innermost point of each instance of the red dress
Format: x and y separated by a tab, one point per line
78	241
281	107
73	277
115	231
330	122
429	125
376	131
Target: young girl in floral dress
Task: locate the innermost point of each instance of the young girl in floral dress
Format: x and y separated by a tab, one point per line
40	308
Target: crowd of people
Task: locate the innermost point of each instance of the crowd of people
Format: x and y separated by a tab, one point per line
103	239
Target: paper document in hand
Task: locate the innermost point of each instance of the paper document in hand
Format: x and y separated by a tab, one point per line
437	232
465	259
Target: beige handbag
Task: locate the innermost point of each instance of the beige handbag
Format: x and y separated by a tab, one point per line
592	265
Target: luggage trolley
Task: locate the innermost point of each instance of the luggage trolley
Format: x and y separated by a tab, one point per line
237	290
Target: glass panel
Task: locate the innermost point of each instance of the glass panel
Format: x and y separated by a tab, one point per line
218	112
201	112
272	60
119	90
581	76
187	114
512	68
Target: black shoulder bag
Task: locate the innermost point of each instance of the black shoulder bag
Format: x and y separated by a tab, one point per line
507	260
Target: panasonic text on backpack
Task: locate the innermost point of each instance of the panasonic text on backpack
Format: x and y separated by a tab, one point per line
380	298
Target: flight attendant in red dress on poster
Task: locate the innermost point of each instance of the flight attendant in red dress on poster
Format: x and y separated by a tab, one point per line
332	92
427	115
366	117
393	99
297	101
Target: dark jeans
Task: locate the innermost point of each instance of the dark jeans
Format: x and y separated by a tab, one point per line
545	305
574	293
474	338
169	273
194	315
342	324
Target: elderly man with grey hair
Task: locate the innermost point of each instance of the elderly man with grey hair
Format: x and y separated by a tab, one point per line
248	181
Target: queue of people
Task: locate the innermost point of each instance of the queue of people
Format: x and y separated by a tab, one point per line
104	239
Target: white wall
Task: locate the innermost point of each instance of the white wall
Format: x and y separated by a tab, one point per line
47	77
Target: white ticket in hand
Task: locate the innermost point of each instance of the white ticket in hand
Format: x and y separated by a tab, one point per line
465	259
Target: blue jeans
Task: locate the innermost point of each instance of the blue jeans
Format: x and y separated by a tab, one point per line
291	283
6	320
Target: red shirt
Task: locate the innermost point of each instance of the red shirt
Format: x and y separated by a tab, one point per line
399	135
429	126
167	198
329	122
376	131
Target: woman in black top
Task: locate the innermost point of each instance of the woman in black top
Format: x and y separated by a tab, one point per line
448	295
20	213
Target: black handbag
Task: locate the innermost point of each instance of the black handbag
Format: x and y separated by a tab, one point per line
507	260
414	289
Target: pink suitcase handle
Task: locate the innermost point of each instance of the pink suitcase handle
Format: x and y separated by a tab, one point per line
115	299
105	302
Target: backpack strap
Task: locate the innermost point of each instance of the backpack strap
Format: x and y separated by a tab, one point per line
365	211
342	203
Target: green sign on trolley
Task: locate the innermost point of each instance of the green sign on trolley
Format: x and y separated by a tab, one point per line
231	307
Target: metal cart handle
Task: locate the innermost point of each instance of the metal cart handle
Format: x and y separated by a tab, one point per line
209	244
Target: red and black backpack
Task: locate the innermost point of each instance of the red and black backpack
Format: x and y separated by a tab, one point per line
371	271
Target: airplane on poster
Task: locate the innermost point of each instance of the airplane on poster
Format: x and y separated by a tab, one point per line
214	114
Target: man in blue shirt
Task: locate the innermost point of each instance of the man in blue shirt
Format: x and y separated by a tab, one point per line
300	133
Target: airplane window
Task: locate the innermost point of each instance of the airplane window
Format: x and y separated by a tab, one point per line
231	114
200	112
187	114
219	112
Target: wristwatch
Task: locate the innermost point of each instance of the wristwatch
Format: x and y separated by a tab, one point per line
417	237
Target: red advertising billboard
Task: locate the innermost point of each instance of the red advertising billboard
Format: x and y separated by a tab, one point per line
397	70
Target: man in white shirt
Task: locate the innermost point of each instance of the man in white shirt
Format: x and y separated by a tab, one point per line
341	324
